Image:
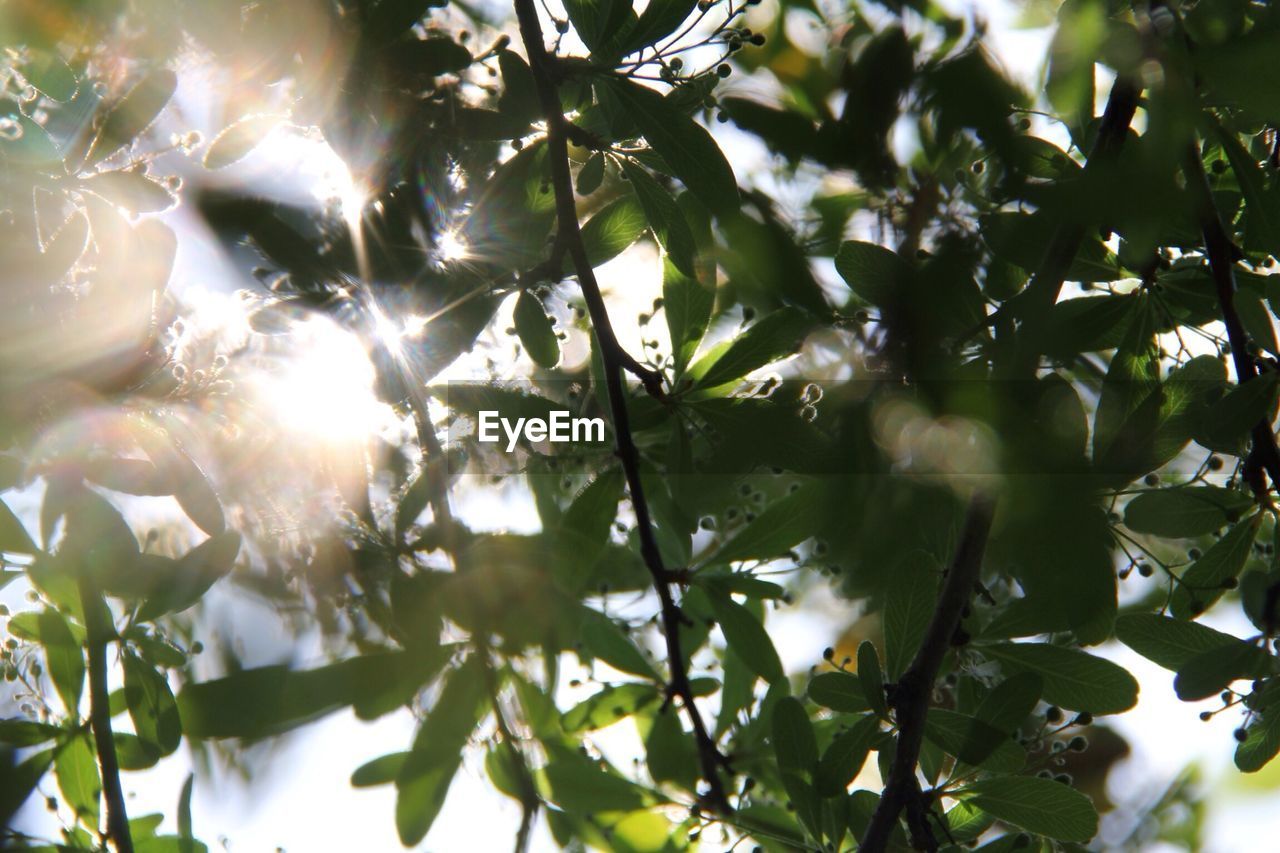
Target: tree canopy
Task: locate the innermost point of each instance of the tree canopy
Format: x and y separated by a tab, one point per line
859	314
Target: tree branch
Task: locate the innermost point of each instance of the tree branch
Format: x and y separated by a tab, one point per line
616	360
98	635
910	696
1042	291
1221	252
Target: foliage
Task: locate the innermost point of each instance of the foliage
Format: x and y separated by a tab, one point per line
862	340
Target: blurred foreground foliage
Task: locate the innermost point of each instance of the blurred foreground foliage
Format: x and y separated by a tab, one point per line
860	336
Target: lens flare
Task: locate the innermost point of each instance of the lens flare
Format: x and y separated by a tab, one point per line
453	247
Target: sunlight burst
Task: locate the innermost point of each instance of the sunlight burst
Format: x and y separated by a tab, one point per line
453	247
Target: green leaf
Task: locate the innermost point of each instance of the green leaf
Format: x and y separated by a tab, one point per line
1037	805
671	753
685	145
602	637
974	741
659	19
76	768
519	94
665	218
794	743
28	732
1227	423
872	679
839	691
1131	381
591	174
581	785
1201	584
134	753
1209	672
1009	704
843	758
1262	741
1168	642
1254	315
788	522
238	139
50	74
198	570
14	538
747	638
908	607
1185	512
774	337
613	229
535	330
1231	71
18	783
64	655
382	770
598	21
134	113
1072	678
152	707
133	191
186	841
423	781
873	272
608	706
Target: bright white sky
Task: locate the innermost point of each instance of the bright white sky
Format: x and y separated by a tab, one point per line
303	800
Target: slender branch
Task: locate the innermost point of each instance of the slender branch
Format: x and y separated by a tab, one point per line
910	696
1042	291
1221	252
616	360
98	635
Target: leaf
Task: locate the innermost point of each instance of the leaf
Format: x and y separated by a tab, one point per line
519	93
597	21
608	706
1130	382
839	691
578	784
133	191
152	707
186	842
685	145
535	330
134	113
198	570
1185	512
1254	315
665	218
591	174
1037	805
909	602
659	19
613	229
1209	672
1201	584
794	743
423	781
64	656
974	741
1072	678
14	538
1226	423
1168	642
774	337
1009	704
50	74
602	637
28	732
1262	741
746	636
238	139
843	758
788	522
873	272
1262	228
76	768
382	770
872	678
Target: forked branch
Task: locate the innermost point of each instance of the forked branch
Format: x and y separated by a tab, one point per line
616	360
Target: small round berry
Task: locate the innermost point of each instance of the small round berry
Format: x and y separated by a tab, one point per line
723	70
1241	735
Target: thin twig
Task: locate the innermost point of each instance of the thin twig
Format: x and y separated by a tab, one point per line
616	360
1221	252
910	696
98	635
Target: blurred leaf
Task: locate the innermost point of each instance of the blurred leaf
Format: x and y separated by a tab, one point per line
1262	741
872	679
874	273
133	191
745	634
152	707
14	538
535	330
842	760
1208	673
133	114
76	768
382	770
772	338
665	218
782	525
18	783
198	570
238	139
18	732
578	784
794	744
602	637
613	229
608	706
659	19
65	658
50	74
974	741
839	691
591	174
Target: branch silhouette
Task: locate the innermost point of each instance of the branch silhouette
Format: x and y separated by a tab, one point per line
616	360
